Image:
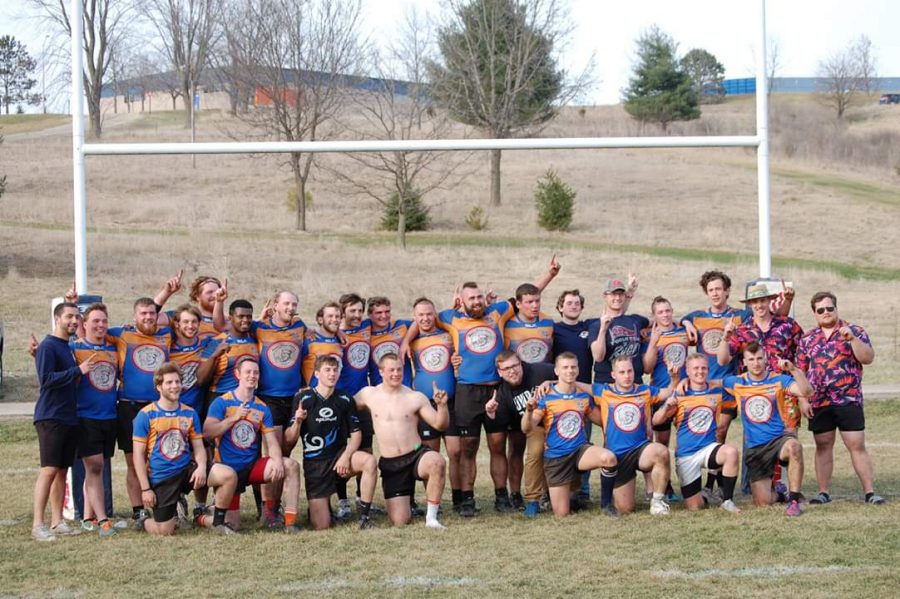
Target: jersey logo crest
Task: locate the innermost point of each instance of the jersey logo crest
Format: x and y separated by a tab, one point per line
283	354
243	434
103	376
700	420
480	340
569	425
532	350
758	409
148	358
172	444
627	417
434	358
358	355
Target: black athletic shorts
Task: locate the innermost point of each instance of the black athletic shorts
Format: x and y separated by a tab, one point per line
845	418
57	443
468	409
564	470
97	437
169	490
399	474
125	414
367	430
761	460
280	408
628	465
427	433
320	478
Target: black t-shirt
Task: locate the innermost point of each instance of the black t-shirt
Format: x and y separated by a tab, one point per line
511	400
574	338
623	338
329	422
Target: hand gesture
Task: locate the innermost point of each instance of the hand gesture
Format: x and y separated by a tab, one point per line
674	371
605	319
691	332
729	329
222	292
438	395
71	294
787	292
490	297
173	285
242	412
198	478
542	390
655	332
785	365
88	365
33	345
671	402
456	361
554	266
632	283
531	404
342	466
490	408
846	333
300	414
268	310
806	408
456	302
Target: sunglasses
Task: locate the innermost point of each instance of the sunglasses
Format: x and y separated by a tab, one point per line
825	309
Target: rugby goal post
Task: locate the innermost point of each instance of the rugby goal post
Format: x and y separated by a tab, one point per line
80	149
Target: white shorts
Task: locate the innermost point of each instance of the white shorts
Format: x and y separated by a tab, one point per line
689	467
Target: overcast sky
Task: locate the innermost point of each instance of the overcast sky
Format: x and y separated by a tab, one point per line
806	32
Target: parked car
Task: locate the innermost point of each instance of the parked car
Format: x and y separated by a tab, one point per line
889	99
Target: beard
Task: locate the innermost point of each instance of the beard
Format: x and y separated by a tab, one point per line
474	311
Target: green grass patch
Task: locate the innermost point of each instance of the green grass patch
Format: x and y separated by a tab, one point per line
24	123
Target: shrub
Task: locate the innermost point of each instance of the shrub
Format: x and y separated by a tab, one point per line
555	202
417	217
292	195
477	219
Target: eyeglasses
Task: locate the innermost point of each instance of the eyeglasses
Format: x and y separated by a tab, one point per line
510	367
825	309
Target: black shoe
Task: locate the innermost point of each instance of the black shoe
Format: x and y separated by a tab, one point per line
365	523
582	502
610	511
467	508
138	521
415	511
503	505
517	501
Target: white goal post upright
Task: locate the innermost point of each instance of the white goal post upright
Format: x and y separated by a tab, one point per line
80	149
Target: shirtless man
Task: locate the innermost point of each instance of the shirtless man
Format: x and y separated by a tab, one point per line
396	411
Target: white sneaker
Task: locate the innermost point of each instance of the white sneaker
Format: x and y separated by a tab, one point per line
435	524
42	533
64	530
729	506
343	511
658	507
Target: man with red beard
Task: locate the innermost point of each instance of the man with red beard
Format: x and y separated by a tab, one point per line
202	295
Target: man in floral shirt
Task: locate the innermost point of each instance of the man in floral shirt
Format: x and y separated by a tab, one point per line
832	355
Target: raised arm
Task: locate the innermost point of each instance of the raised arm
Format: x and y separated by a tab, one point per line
436	418
219	321
723	354
598	346
864	352
552	270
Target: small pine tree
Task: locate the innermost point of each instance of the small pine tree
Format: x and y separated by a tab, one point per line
476	219
417	213
555	202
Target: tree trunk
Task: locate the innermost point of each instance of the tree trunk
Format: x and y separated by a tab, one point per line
401	222
300	181
495	177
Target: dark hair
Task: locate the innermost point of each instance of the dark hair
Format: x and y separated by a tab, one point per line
96	306
349	299
198	284
243	360
326	359
239	303
164	369
422	300
145	301
58	310
526	289
752	347
658	300
321	311
504	356
469	285
819	296
378	300
176	316
562	298
711	275
566	355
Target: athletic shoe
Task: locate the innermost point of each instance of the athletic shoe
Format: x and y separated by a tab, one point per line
517	501
780	492
821	498
658	507
467	508
120	524
223	529
610	511
88	525
414	510
138	522
673	497
793	508
64	530
532	509
365	523
435	524
582	501
729	506
42	533
292	529
106	530
200	513
545	502
709	497
270	520
876	500
718	494
503	505
343	510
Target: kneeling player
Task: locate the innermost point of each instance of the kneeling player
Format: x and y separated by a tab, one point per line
234	421
396	410
162	461
327	455
696	413
767	410
567	453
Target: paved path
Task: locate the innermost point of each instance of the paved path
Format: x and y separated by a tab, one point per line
870	392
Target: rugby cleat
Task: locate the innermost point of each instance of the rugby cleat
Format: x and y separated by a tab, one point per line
793	508
658	507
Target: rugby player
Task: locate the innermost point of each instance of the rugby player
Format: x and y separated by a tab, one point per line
616	334
166	434
324	418
396	411
202	295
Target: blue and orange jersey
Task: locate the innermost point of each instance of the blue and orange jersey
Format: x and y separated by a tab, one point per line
385	342
710	330
223	377
355	367
765	406
314	345
189	358
168	435
206	328
237	447
532	341
280	355
626	415
96	392
478	341
695	419
139	356
564	415
431	362
671	349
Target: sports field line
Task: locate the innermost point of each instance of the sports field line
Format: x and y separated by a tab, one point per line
766	572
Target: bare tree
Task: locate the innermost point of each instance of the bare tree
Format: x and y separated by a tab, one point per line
397	106
187	30
866	64
104	23
307	52
846	73
773	63
499	67
236	54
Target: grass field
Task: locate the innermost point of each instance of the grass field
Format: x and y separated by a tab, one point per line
840	550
